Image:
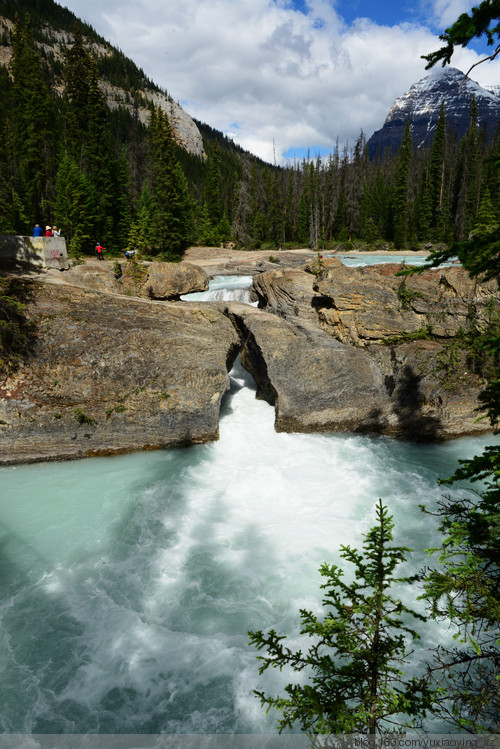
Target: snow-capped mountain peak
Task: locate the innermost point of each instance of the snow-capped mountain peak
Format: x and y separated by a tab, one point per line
421	104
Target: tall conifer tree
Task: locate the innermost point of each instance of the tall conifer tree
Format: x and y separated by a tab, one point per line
77	76
473	170
121	209
437	173
172	227
212	190
467	181
33	127
73	207
352	671
9	198
98	160
400	198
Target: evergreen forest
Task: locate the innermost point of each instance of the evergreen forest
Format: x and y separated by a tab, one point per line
103	175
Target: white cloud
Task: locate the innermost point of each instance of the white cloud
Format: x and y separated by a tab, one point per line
447	11
262	72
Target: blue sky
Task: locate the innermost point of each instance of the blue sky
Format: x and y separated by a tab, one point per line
382	12
283	76
391	12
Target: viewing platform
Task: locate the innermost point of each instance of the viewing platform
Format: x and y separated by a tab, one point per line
39	252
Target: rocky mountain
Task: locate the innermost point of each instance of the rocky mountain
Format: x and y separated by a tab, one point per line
133	91
422	104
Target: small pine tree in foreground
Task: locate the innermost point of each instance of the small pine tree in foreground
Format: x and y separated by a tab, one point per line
355	682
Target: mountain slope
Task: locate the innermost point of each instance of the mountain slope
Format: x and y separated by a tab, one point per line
422	103
121	80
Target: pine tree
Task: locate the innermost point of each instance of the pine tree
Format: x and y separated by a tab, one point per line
77	76
353	666
486	218
73	206
332	188
33	128
400	198
465	592
172	227
98	161
467	181
256	196
303	221
340	223
212	190
121	210
142	234
10	204
424	207
242	223
437	173
473	167
355	184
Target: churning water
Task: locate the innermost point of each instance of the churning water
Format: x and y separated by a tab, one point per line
128	584
222	289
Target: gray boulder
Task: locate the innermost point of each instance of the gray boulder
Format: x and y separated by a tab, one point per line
171	280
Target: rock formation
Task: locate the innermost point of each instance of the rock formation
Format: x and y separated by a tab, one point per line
360	305
315	383
337	352
153	280
110	374
338	349
172	280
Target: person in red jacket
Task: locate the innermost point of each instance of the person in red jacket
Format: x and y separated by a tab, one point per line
48	231
99	251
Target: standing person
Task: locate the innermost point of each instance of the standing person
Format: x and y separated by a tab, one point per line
48	231
56	232
99	249
37	230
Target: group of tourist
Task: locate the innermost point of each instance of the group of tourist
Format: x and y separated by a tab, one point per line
55	232
49	232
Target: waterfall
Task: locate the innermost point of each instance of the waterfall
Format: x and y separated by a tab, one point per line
223	289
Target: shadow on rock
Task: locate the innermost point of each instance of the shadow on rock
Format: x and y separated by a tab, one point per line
409	401
17	331
374	423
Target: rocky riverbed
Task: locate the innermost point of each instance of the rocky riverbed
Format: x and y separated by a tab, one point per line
117	366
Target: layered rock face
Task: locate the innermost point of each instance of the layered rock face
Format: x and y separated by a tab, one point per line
362	305
326	359
110	374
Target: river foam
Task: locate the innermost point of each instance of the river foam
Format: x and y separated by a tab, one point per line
128	584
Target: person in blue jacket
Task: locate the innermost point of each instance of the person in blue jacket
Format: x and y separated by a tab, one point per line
37	231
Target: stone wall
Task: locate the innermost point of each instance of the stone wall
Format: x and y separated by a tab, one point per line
39	252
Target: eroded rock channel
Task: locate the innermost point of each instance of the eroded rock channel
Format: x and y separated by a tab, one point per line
110	372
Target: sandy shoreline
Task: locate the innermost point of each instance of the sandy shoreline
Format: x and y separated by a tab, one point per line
208	256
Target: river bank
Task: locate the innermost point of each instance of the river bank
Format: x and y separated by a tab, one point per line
220	260
112	370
